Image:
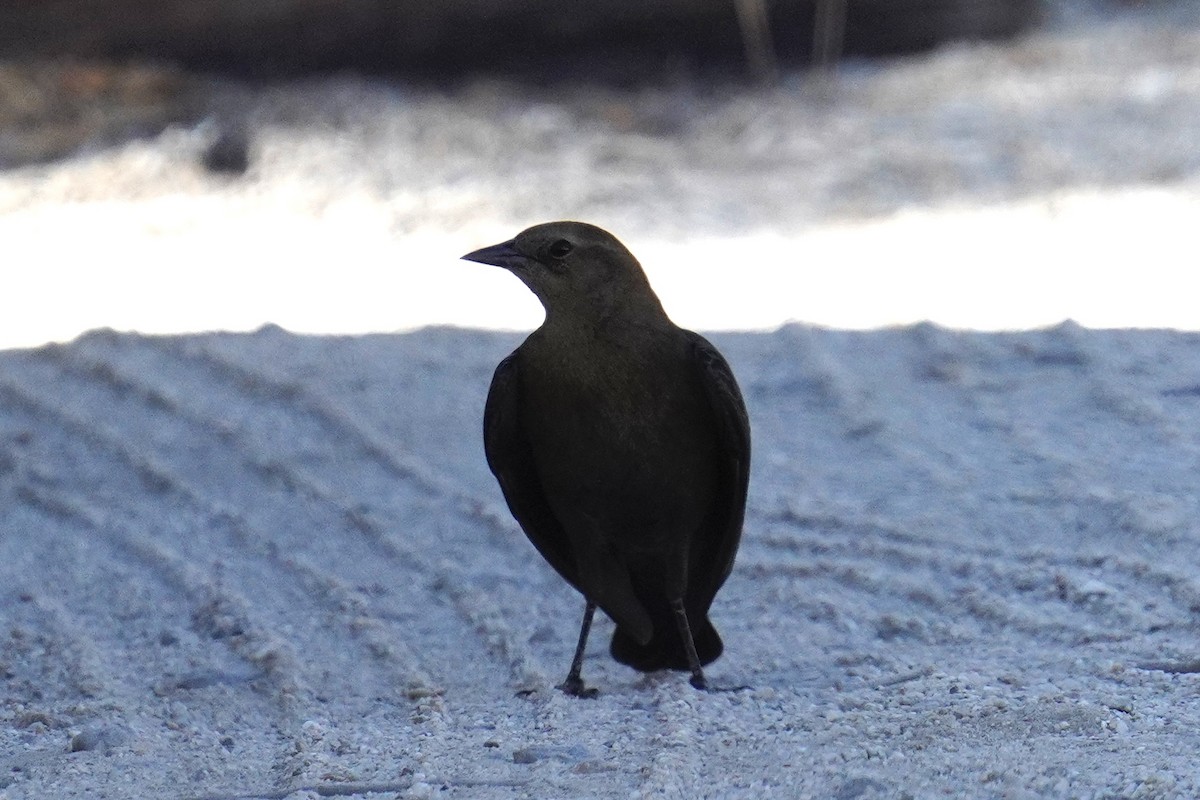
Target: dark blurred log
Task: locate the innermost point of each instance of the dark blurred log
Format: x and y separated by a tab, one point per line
893	26
48	110
306	35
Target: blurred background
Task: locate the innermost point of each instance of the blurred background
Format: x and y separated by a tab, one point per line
180	165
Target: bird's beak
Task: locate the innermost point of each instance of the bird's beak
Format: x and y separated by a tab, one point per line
504	255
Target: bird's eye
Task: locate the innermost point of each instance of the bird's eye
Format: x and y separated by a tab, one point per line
560	248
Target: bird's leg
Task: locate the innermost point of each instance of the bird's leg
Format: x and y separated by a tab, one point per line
573	685
689	645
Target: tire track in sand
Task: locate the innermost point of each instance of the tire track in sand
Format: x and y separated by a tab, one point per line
172	630
346	490
259	617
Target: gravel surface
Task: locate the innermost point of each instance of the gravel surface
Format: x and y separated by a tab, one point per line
267	565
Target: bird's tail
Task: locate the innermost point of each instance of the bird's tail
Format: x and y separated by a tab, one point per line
665	649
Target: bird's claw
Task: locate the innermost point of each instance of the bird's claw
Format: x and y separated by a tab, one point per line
576	688
704	687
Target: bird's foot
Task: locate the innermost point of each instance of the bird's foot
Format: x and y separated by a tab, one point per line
575	687
701	683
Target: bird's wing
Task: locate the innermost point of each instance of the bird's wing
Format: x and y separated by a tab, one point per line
713	554
511	459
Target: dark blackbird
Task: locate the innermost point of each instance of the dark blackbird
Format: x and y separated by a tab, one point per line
622	446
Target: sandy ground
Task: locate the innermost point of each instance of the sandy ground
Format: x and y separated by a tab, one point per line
267	565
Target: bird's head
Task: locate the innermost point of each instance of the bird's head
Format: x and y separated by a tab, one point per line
574	268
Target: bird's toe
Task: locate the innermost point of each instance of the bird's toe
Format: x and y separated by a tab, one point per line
577	688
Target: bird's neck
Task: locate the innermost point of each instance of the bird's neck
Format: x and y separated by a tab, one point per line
610	320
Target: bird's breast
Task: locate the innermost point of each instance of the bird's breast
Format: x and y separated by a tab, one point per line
621	437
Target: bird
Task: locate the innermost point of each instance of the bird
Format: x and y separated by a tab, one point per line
621	444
